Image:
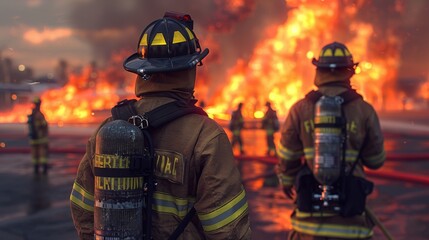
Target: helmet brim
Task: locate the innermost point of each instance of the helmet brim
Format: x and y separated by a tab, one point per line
319	64
141	66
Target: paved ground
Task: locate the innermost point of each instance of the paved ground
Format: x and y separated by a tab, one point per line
37	207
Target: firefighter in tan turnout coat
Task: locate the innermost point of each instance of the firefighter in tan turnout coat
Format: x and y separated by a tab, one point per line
363	145
194	164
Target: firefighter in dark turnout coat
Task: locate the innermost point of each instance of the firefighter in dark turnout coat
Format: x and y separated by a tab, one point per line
38	133
363	145
270	123
199	169
236	126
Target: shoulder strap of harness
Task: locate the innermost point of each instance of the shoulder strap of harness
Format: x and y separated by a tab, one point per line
170	111
158	116
124	109
313	96
348	96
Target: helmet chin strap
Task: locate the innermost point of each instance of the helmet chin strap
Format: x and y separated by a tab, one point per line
146	77
143	75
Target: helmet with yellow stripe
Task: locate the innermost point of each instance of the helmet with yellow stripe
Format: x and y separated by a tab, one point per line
166	45
335	55
37	100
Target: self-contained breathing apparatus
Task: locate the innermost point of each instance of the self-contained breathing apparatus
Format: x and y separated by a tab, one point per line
329	139
124	171
122	174
329	187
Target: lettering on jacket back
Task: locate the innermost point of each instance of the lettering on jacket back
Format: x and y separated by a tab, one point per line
169	165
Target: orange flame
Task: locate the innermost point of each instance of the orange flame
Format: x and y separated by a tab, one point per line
78	100
280	71
82	99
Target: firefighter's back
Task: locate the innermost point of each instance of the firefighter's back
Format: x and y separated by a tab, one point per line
361	122
194	166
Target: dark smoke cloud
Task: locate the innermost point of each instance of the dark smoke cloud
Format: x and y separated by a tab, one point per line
414	33
126	19
231	33
228	13
409	22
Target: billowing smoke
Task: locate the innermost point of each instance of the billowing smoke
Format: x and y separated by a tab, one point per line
112	25
230	29
408	20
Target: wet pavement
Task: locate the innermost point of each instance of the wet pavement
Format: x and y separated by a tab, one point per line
37	207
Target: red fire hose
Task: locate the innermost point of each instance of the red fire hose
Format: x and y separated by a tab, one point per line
51	150
386	174
397	157
399	176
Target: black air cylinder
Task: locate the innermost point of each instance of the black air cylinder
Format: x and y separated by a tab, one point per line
118	190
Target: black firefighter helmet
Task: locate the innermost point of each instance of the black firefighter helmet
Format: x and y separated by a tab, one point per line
335	55
166	45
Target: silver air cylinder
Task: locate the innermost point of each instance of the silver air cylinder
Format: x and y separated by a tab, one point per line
118	190
328	140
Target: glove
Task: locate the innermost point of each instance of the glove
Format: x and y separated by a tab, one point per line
288	190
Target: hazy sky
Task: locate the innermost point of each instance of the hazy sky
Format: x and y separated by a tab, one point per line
37	33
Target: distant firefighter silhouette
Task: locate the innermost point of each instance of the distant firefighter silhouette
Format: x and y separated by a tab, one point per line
236	125
270	123
38	134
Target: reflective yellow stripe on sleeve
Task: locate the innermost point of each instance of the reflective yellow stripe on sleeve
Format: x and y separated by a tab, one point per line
39	141
166	203
351	155
286	180
332	230
82	198
288	155
377	159
309	153
225	214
